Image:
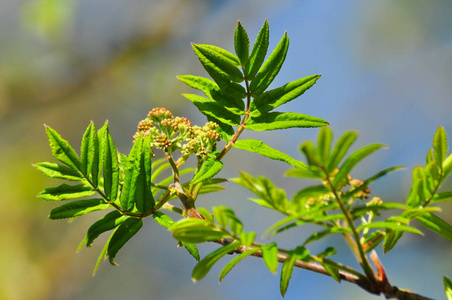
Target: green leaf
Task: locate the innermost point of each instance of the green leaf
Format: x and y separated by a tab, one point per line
258	52
416	194
58	171
321	234
274	98
391	239
340	149
122	235
368	181
300	253
217	61
62	151
278	120
231	264
78	208
354	159
447	287
445	196
195	231
102	255
436	224
271	67
213	109
270	256
108	222
204	266
440	146
225	215
167	222
111	166
230	101
247	238
447	166
88	149
304	173
241	44
312	155
324	142
148	201
209	168
259	147
390	225
65	192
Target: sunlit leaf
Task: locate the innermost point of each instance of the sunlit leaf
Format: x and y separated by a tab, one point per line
231	264
65	192
300	253
58	171
259	147
204	266
62	151
390	225
209	168
111	166
88	149
241	44
447	287
340	149
391	239
278	120
436	224
78	208
122	235
274	98
219	61
195	231
247	238
440	146
270	256
354	159
444	196
271	67
321	234
258	52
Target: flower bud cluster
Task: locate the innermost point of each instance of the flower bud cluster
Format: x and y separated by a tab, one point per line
170	133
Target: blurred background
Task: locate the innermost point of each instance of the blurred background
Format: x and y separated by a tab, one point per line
387	69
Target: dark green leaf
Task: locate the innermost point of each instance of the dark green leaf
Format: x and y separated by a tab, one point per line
108	222
78	208
62	151
270	256
278	120
340	149
354	159
122	235
447	287
258	52
436	224
88	149
274	98
58	171
231	264
259	147
213	109
271	67
218	61
209	168
65	192
204	266
241	44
